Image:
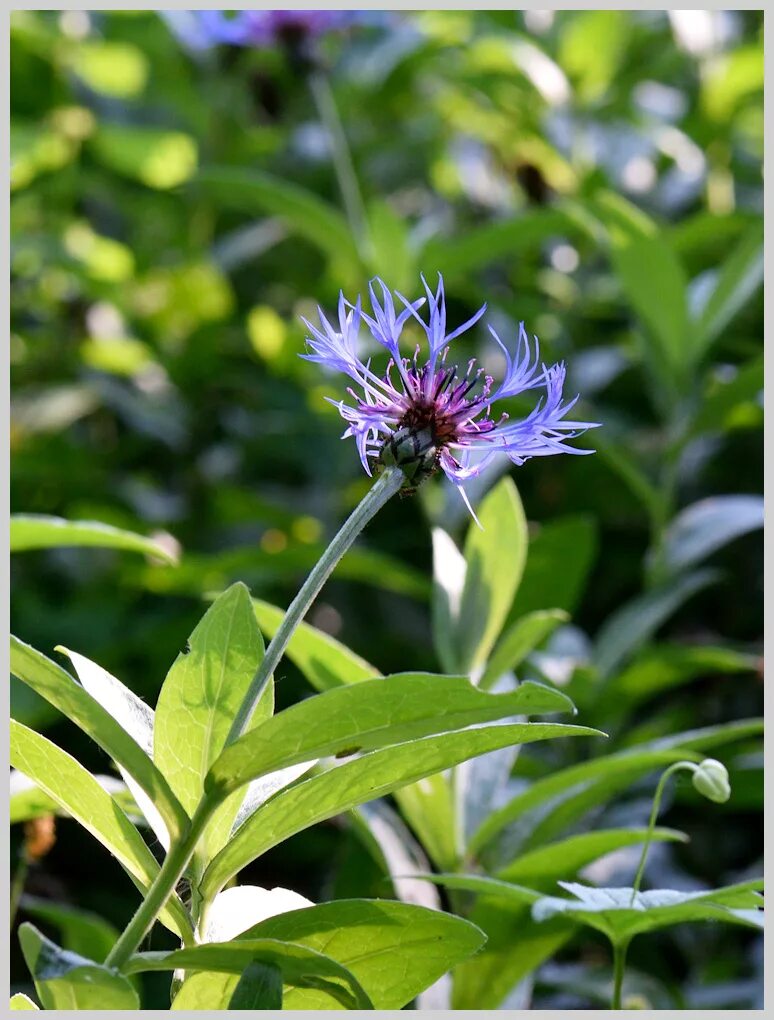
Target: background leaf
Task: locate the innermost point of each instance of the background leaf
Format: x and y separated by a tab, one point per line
38	531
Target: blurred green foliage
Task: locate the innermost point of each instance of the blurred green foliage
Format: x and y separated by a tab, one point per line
596	174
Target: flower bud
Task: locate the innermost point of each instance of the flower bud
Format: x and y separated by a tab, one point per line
711	780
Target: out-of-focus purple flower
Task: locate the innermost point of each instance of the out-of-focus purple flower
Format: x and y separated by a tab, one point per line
203	29
426	414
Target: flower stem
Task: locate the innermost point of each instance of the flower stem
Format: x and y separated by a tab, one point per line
163	886
385	487
619	967
349	187
678	765
180	853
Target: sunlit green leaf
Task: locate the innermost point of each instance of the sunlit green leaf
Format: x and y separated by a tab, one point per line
70	785
21	1001
369	715
300	965
495	555
37	531
59	688
370	776
568	856
134	716
395	950
158	158
203	689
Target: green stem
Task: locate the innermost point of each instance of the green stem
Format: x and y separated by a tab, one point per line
163	886
349	187
619	967
678	765
386	486
180	853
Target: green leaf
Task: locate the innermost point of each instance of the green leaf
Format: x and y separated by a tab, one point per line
701	528
158	158
300	965
568	856
59	688
29	801
370	715
428	807
654	281
550	804
662	666
495	558
725	402
203	689
64	980
323	660
637	620
571	541
395	950
448	581
80	931
252	192
37	531
515	947
519	640
592	47
365	778
259	987
486	886
198	572
134	716
467	252
622	913
20	1001
391	252
739	278
70	785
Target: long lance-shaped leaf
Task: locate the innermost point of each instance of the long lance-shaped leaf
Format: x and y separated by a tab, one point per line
553	802
60	689
299	965
369	715
78	792
254	192
38	531
366	778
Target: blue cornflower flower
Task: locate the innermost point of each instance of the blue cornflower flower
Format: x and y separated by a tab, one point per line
202	29
434	414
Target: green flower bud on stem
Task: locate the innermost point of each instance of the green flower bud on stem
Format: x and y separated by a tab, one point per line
711	781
